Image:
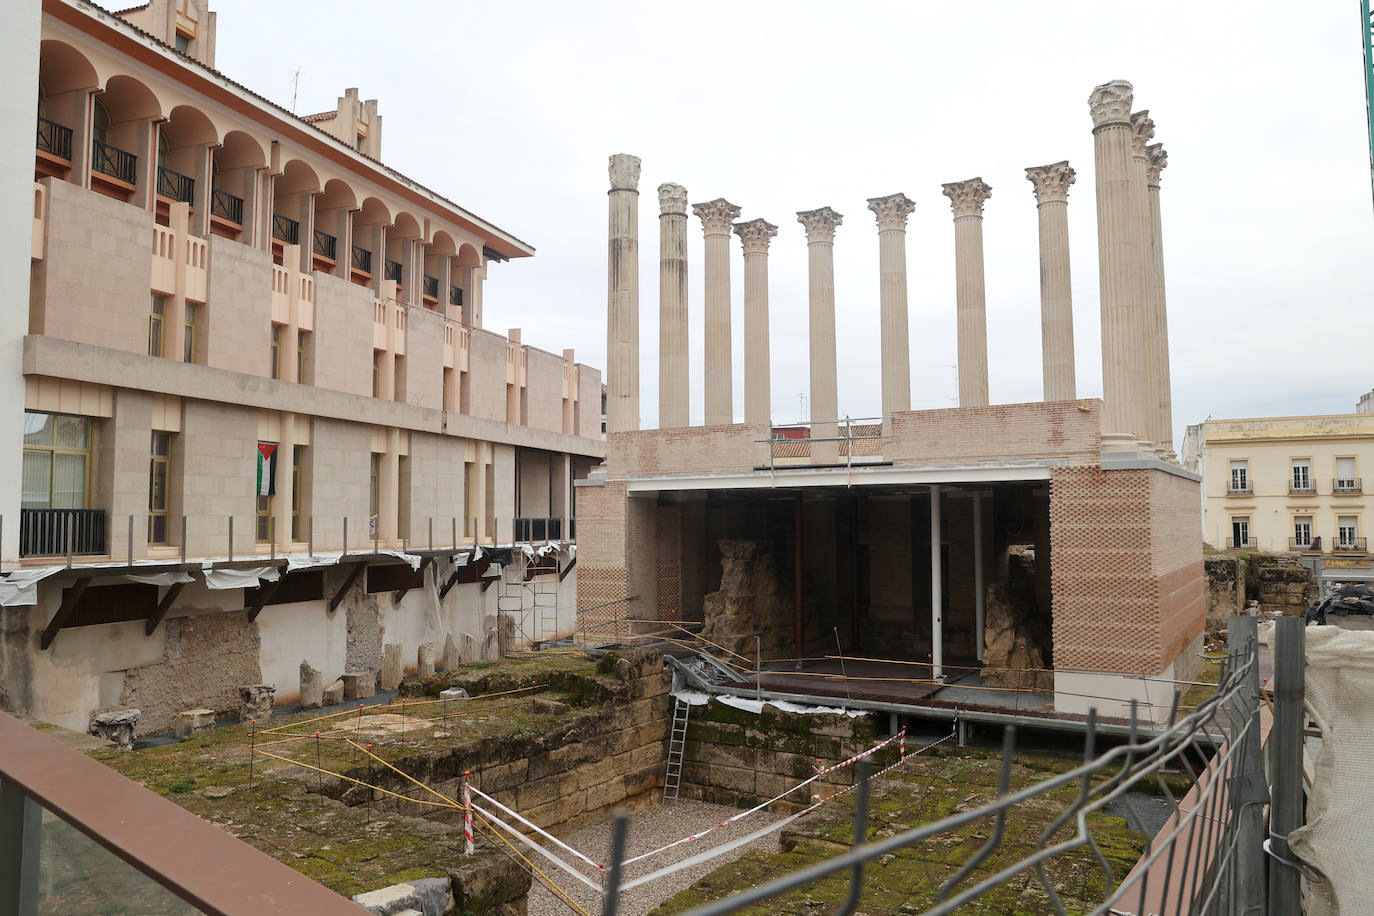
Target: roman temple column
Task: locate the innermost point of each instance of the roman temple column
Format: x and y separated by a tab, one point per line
622	309
1122	368
1158	304
1142	130
820	242
673	400
755	236
716	218
892	212
966	199
1051	183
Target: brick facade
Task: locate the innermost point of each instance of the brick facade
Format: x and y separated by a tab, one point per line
1068	430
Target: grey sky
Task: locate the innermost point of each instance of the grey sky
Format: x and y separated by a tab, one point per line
511	109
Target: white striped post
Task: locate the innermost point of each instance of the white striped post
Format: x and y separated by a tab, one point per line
468	847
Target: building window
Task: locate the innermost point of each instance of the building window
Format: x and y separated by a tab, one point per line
1302	531
1240	531
266	490
1346	481
300	356
448	376
57	460
297	461
188	338
358	143
376	373
157	488
1240	477
183	43
1347	532
276	351
375	482
1302	475
157	313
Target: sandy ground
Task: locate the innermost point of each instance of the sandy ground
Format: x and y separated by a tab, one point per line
650	829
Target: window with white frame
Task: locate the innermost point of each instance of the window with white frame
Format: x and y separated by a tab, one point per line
1240	477
1345	476
1302	530
1302	475
1240	531
1347	531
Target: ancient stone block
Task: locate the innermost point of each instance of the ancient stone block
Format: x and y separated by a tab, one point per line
359	685
391	666
453	693
542	791
542	706
424	659
256	701
116	725
733	778
333	694
483	883
427	896
606	793
312	686
451	659
192	721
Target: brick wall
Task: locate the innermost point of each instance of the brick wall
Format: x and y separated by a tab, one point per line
1002	432
688	450
1176	551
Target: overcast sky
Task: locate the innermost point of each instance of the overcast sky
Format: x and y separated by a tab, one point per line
511	110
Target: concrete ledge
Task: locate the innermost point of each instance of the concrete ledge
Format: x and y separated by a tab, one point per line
857	476
1142	461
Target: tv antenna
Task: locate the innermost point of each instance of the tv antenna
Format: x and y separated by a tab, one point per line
295	88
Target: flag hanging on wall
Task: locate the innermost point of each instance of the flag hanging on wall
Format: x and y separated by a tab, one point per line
267	468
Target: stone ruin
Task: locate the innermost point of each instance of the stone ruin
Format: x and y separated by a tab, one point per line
755	596
1016	637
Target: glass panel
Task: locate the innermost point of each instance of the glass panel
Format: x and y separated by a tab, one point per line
157	529
159	305
162	444
157	487
73	432
69	481
38	429
37	487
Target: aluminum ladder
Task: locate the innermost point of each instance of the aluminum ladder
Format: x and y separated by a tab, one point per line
677	744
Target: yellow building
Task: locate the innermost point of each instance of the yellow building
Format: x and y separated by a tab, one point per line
1288	484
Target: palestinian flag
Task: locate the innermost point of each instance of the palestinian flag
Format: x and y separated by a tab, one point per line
267	468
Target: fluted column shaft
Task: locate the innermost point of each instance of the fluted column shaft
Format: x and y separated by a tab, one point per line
622	314
966	198
825	400
716	218
1056	296
1122	369
1144	332
755	235
892	213
674	401
1159	344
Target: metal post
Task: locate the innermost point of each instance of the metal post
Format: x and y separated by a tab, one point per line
1243	634
71	527
468	846
620	827
21	821
377	534
979	590
131	540
431	534
272	535
758	667
183	540
310	534
937	624
345	536
454	520
798	634
1285	807
231	538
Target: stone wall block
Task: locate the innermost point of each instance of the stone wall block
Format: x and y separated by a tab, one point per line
392	671
312	686
425	659
256	701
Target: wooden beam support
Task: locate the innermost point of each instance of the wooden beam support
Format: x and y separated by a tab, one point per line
416	582
449	583
348	583
65	611
563	574
265	594
163	607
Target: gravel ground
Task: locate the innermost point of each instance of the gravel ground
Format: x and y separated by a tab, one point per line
650	829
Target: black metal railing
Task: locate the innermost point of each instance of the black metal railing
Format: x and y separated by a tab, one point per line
431	286
528	530
325	244
286	229
1302	489
455	296
361	260
54	532
1246	543
113	161
1351	545
1310	544
1246	488
1347	485
393	270
226	206
54	139
175	186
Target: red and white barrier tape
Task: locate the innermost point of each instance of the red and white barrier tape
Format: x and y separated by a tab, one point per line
541	831
570	869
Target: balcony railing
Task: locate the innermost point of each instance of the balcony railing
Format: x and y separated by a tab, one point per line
57	532
531	530
1240	489
325	244
54	139
1351	545
1246	543
226	206
175	186
113	161
361	260
1309	545
1347	485
1302	489
455	296
393	270
431	286
285	229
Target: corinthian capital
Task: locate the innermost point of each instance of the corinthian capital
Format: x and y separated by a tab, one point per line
1110	103
966	197
1051	181
624	172
755	235
672	199
716	215
1156	161
891	211
820	224
1142	132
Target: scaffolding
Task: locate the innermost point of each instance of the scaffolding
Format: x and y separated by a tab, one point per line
527	601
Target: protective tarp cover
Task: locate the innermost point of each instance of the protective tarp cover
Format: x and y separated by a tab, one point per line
697	698
240	578
1340	807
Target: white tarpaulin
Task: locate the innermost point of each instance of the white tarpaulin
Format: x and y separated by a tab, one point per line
298	561
240	578
163	578
22	585
697	698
